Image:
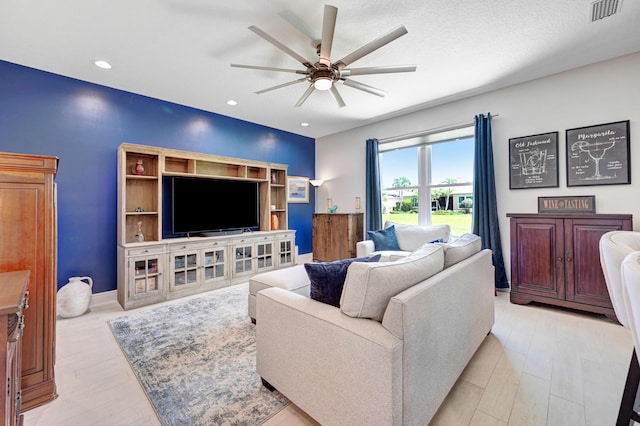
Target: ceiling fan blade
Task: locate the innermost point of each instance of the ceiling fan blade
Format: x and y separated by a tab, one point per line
378	70
370	47
281	46
336	96
280	86
305	95
257	67
365	87
328	28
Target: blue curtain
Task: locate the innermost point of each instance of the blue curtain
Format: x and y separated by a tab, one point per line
374	200
485	210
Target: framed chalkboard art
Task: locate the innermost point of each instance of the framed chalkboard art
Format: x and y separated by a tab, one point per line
599	155
533	161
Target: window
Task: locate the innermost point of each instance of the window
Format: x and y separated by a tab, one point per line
426	179
462	204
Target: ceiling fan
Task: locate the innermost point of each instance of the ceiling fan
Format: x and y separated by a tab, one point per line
324	74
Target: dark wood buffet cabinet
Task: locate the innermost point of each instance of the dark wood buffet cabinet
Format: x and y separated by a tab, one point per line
335	235
555	259
13	300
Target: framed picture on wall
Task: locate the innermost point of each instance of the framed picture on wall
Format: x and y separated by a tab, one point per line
533	161
297	189
598	155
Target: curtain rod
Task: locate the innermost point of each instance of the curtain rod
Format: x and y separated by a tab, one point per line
428	132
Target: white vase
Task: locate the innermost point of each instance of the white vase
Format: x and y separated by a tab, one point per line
74	297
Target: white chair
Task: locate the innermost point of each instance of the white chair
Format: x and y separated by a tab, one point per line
615	246
630	272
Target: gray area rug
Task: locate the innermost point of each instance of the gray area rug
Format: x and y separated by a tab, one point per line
196	360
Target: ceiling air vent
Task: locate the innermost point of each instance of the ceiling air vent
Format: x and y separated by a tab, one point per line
600	9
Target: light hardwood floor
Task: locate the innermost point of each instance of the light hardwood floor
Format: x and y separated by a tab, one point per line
539	366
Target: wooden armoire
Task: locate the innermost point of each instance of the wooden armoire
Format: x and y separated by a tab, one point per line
28	241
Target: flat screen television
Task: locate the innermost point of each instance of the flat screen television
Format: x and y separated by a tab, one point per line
201	205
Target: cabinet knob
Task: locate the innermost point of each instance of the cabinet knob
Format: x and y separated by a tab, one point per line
569	259
559	258
146	251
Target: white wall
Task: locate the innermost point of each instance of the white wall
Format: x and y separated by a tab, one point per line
601	93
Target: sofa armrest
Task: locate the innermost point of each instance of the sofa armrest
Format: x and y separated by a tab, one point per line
364	248
336	368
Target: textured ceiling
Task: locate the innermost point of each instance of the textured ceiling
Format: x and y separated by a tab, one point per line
181	50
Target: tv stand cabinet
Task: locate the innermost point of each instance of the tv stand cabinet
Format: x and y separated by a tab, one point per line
153	272
158	269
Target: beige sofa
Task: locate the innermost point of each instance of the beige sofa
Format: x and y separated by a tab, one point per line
410	238
403	334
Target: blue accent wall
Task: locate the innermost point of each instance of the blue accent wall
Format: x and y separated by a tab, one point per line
83	124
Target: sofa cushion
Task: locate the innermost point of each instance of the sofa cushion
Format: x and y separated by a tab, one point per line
369	286
460	249
412	237
327	278
384	239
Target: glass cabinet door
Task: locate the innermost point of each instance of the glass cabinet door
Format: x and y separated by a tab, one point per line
264	256
214	264
146	277
184	269
286	253
243	259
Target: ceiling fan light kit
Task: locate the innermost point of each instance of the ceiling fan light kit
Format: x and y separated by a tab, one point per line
323	74
323	83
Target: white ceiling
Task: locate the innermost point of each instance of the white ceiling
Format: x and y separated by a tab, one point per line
181	50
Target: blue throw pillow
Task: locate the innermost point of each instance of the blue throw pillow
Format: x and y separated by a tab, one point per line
385	239
327	278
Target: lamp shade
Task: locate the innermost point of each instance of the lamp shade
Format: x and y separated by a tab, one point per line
316	182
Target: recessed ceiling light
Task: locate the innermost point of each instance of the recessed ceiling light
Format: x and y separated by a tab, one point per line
102	64
232	102
304	124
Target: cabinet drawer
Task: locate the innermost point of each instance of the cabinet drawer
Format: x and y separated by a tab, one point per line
245	240
287	236
144	251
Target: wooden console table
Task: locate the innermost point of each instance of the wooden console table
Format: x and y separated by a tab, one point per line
335	235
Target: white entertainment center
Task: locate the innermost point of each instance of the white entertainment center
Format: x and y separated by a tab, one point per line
153	269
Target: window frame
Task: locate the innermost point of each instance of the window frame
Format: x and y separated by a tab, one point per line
425	142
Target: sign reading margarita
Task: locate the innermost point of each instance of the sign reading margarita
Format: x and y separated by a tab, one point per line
598	155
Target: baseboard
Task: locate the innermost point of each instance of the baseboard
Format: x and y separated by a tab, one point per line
104	297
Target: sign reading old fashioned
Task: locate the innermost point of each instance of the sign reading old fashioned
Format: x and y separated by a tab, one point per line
533	161
569	204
